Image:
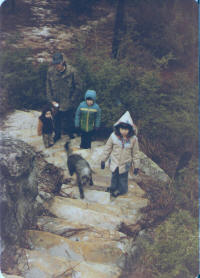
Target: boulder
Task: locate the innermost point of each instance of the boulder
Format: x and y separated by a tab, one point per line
154	181
19	188
159	190
151	169
25	176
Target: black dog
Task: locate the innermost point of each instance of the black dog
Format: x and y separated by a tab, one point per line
77	164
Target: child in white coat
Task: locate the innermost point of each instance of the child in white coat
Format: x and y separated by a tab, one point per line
123	152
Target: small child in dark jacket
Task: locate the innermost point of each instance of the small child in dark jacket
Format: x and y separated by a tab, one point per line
88	118
45	127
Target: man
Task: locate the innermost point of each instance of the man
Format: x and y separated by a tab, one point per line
62	91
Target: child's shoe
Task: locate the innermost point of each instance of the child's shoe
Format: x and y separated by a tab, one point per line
115	193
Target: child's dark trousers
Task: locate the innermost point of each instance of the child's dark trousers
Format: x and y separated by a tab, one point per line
119	182
86	139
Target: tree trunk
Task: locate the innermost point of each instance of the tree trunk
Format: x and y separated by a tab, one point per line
119	28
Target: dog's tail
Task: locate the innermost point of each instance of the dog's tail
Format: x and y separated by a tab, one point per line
67	148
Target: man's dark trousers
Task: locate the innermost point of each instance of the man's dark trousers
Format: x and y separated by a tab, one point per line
67	122
57	125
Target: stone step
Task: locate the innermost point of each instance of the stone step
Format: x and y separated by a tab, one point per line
109	253
102	181
83	204
78	232
91	196
107	217
36	264
4	275
129	202
133	200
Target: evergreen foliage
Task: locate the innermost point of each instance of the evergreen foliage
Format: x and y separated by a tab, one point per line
22	83
163	28
186	188
164	111
82	6
174	250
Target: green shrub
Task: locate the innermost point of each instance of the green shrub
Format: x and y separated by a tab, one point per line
82	6
174	252
186	188
22	82
165	111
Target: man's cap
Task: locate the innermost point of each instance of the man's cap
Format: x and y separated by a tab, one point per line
57	58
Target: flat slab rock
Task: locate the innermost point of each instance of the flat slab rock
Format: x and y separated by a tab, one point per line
109	253
78	232
107	217
34	264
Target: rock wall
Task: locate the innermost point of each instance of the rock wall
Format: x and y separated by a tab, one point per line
25	179
19	188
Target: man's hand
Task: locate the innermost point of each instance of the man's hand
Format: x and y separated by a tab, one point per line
55	104
102	164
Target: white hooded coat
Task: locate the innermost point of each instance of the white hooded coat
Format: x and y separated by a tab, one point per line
122	155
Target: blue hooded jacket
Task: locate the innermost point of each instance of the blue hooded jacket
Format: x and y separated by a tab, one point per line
87	117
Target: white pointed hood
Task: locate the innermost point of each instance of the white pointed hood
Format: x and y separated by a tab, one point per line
126	118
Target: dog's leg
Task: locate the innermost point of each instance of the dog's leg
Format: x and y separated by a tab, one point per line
81	190
71	167
91	182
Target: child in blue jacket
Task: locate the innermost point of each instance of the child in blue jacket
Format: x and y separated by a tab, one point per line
88	118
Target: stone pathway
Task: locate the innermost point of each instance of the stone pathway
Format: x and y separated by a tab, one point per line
79	238
48	32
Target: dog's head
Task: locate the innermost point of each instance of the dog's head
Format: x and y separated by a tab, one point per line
85	176
85	180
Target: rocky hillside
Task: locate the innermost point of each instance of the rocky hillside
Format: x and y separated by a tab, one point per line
71	237
49	26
